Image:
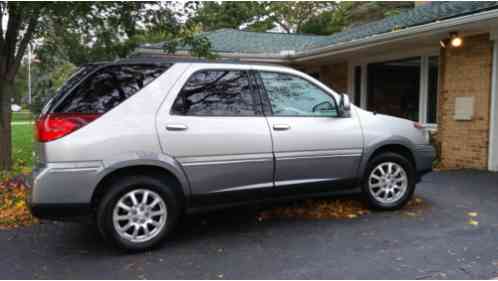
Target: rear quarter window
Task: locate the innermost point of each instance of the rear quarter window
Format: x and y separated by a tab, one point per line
107	87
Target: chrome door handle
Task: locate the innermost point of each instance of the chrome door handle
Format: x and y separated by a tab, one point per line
176	127
281	127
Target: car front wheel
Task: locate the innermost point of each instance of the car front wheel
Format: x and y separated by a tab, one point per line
389	182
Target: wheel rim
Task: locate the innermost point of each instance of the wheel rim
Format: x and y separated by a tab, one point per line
139	215
388	182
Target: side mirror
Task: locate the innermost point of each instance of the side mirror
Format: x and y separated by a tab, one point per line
345	105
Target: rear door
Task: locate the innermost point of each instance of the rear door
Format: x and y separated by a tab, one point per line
215	128
312	143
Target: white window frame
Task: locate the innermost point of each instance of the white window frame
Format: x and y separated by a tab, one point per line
424	78
493	124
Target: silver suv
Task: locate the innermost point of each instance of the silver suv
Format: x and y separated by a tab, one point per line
137	143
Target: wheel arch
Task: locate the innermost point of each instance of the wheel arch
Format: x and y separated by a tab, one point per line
395	148
162	170
400	148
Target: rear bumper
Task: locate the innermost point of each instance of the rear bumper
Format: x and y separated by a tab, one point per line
62	191
62	212
424	158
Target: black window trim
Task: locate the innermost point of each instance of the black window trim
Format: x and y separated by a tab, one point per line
257	109
266	98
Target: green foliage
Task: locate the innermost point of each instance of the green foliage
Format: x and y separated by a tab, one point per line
329	22
348	14
105	30
321	18
260	26
198	44
215	15
257	16
365	12
290	16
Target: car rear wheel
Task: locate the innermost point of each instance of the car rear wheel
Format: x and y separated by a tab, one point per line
138	212
389	182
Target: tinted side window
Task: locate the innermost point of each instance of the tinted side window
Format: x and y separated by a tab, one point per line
293	96
217	93
108	87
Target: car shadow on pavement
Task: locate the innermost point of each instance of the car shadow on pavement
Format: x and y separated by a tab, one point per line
193	229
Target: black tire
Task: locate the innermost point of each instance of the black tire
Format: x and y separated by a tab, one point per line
411	176
119	188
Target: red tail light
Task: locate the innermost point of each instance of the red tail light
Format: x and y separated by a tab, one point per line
56	125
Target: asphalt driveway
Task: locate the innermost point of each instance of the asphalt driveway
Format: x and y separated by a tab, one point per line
437	243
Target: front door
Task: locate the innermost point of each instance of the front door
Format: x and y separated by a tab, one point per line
216	130
311	143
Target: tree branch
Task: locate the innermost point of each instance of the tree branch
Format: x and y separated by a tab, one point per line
24	43
282	24
13	26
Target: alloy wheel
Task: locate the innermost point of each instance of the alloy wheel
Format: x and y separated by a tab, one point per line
388	182
139	215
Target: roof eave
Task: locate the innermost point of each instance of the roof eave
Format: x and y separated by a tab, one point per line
403	34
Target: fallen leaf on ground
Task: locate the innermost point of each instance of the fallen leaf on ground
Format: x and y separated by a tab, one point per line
472	214
343	208
318	209
14	211
473	222
411	214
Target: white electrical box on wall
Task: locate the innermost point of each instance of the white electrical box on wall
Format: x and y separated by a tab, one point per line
464	108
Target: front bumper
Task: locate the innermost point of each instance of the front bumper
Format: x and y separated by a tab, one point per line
424	158
62	191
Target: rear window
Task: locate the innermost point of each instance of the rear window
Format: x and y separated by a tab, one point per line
74	79
106	88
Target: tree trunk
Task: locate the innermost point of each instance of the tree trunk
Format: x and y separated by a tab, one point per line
6	88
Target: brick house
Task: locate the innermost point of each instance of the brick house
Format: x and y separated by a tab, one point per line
409	65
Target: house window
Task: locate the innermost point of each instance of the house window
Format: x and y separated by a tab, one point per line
357	85
432	89
406	88
394	87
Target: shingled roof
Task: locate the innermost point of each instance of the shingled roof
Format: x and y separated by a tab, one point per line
245	42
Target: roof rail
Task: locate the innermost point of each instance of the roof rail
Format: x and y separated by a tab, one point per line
151	58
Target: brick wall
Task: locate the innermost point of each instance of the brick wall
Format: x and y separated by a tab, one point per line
465	72
333	75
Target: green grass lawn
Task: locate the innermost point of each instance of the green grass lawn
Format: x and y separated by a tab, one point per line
23	115
22	147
